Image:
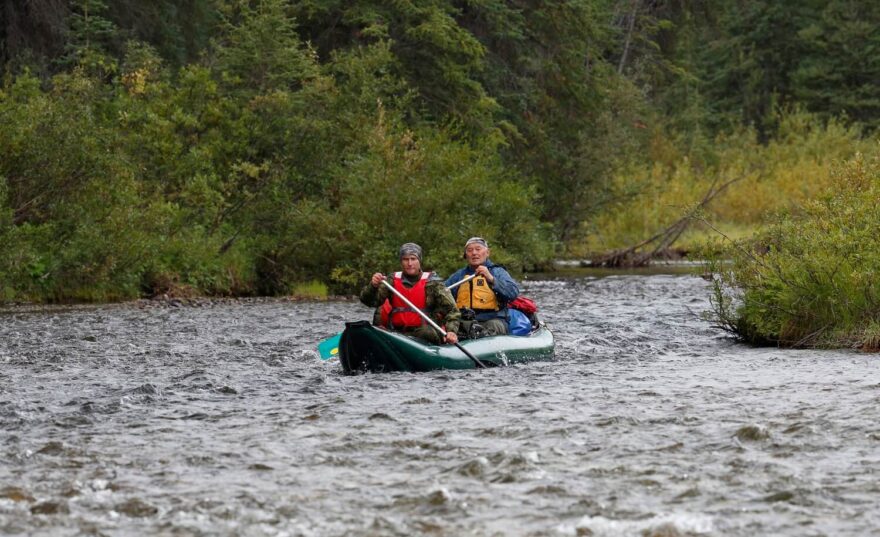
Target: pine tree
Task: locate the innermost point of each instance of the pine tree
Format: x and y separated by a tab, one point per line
839	74
89	37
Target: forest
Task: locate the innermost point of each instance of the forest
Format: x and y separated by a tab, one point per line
269	147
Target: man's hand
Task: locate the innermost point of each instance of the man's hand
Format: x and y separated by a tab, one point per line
483	271
377	279
451	337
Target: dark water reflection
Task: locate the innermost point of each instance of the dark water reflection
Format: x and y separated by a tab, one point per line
221	421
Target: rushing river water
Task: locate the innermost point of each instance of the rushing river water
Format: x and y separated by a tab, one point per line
220	420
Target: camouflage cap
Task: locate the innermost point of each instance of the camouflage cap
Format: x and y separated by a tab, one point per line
410	248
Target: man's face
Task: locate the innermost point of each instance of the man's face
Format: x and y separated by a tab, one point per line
476	254
411	265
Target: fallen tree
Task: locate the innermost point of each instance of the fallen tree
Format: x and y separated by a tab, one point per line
660	245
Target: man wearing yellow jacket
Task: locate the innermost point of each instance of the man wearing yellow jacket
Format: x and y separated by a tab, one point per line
490	290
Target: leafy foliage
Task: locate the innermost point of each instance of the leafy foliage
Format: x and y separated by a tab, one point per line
409	186
809	280
250	173
248	146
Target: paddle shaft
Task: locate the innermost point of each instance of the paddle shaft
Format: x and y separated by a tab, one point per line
461	281
431	322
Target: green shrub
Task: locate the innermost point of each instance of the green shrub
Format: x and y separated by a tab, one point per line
810	279
420	186
250	172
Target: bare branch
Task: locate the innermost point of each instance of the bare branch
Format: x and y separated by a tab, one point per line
634	257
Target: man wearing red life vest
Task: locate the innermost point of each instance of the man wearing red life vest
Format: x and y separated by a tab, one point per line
424	289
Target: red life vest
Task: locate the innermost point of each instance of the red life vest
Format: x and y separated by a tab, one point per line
385	312
401	315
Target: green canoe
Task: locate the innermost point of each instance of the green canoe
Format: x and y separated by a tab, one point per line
365	347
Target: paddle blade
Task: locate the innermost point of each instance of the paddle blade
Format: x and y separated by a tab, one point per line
329	347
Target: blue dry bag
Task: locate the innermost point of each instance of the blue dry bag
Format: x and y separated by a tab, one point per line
519	323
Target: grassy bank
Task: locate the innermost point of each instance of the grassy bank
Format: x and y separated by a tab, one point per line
810	279
763	179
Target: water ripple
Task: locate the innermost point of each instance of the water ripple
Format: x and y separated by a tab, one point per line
220	420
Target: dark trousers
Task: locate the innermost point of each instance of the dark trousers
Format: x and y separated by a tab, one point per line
489	327
495	327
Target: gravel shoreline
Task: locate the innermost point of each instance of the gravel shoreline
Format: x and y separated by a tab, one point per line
164	302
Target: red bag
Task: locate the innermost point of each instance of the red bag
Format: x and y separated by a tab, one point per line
523	304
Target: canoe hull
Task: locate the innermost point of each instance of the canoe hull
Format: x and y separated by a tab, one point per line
364	347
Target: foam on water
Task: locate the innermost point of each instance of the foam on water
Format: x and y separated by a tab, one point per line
665	525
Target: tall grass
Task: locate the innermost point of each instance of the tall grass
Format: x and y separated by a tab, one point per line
793	168
313	290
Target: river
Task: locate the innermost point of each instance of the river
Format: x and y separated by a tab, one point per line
220	420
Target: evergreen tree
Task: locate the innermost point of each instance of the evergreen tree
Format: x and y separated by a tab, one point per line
839	72
90	36
437	57
568	116
259	48
747	67
32	33
179	30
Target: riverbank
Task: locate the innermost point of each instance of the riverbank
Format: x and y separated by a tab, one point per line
810	279
169	303
565	269
657	266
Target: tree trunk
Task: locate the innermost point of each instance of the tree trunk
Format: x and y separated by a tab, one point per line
629	32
